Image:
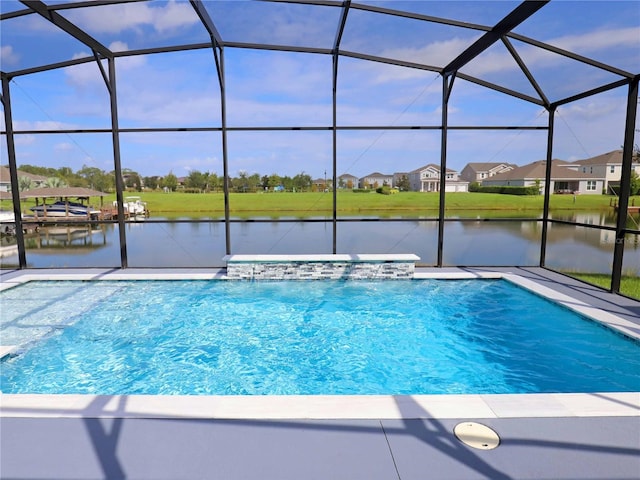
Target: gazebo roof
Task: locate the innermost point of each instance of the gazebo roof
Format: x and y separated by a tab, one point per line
77	192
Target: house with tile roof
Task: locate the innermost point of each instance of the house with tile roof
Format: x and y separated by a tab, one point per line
478	171
564	179
427	179
607	165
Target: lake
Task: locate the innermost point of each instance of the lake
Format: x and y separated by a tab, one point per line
157	243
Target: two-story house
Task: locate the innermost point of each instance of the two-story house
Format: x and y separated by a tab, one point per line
375	180
478	171
427	179
607	166
347	180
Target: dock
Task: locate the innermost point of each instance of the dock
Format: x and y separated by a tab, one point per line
633	208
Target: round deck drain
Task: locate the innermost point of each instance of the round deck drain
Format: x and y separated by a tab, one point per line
476	435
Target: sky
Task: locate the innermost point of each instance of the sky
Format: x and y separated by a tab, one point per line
284	89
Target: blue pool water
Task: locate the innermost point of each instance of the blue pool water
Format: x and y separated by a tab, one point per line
266	338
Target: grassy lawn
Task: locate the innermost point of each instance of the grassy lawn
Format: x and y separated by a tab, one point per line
302	204
629	285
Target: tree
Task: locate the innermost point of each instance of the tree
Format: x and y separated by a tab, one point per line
197	180
274	180
151	182
55	182
635	183
96	179
302	182
42	171
133	180
215	182
287	183
170	181
403	184
24	183
241	184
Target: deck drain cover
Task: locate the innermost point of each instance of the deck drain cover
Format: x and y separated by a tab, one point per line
476	435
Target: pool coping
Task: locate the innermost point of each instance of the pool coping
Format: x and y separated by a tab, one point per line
610	404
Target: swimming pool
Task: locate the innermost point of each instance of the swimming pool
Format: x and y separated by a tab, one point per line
305	338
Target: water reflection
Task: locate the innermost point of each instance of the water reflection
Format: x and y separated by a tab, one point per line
203	244
75	238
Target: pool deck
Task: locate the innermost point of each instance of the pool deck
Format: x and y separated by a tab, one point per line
554	436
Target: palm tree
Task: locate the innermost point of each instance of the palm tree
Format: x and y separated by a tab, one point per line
25	183
55	182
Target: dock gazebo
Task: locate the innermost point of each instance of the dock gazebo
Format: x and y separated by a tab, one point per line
81	194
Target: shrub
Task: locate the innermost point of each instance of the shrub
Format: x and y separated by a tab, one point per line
506	190
361	190
386	190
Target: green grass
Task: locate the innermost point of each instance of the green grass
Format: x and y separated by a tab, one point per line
301	205
310	204
629	285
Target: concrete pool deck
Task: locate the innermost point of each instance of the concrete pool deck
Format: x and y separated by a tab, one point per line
594	435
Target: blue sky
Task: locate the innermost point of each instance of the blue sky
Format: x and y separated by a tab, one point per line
293	89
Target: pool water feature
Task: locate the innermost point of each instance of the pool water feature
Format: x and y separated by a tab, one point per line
308	338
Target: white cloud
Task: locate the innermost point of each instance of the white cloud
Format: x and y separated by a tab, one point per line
135	16
119	46
599	40
437	54
64	147
174	15
8	56
590	127
499	60
87	75
22	140
41	125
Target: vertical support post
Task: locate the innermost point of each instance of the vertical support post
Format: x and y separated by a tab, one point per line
115	134
334	126
446	92
547	187
225	155
625	185
13	172
335	153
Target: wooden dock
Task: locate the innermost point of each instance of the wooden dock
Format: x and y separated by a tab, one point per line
633	208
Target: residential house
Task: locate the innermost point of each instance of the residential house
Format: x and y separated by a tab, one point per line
563	178
347	180
478	171
608	166
321	184
5	179
427	179
375	180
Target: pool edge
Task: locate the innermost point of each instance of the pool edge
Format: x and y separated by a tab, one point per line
322	407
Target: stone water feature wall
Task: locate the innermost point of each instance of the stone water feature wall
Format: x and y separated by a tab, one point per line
321	267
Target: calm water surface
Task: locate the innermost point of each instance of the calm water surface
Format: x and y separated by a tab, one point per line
474	243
